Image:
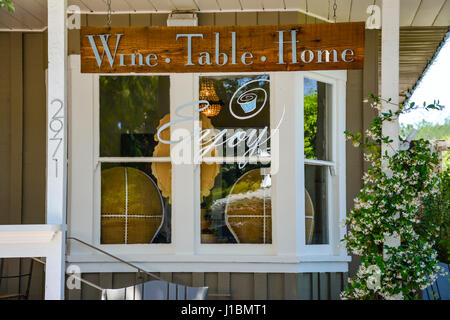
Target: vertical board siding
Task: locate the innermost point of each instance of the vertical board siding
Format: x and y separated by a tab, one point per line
275	286
140	20
315	286
223	283
211	283
225	19
106	280
16	128
268	18
88	292
304	286
355	161
5	111
324	286
183	278
34	133
335	286
240	286
5	141
246	19
14	212
370	76
260	286
290	286
206	19
198	279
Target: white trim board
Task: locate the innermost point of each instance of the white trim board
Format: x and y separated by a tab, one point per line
247	267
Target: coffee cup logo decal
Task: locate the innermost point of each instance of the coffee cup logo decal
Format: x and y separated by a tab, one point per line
248	100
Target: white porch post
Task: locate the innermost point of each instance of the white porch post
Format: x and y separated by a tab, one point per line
390	38
56	145
390	56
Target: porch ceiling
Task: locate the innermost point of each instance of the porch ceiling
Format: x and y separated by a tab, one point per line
32	14
417	48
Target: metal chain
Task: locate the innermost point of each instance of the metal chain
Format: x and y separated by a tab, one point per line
328	16
108	22
334	10
373	11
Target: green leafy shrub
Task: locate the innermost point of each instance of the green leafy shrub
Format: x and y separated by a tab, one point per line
8	4
391	205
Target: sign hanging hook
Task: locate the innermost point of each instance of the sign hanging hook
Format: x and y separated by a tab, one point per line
334	10
108	21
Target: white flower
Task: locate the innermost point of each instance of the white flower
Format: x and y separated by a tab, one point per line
373	283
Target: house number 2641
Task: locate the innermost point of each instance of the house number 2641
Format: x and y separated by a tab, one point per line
56	125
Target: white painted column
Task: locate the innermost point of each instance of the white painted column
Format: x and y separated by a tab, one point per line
288	204
56	144
185	174
390	55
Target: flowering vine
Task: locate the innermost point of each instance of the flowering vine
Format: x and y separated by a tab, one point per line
389	206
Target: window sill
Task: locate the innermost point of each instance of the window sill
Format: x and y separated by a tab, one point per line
213	263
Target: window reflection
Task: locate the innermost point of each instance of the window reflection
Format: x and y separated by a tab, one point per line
317	127
316	119
316	204
130	110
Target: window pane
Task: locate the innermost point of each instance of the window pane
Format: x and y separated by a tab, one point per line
131	108
316	204
238	208
317	124
236	195
135	203
249	112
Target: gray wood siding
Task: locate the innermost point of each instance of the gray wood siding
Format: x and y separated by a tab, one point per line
240	286
22	142
22	152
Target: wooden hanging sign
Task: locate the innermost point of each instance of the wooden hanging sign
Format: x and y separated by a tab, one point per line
325	46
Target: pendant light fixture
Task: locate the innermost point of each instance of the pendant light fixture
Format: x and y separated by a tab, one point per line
208	93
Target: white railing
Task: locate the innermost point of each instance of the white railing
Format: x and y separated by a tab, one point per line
35	240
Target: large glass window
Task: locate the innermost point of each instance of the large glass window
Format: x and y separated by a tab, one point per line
135	165
317	129
236	190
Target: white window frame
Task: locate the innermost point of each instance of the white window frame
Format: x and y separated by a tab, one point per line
333	174
287	252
